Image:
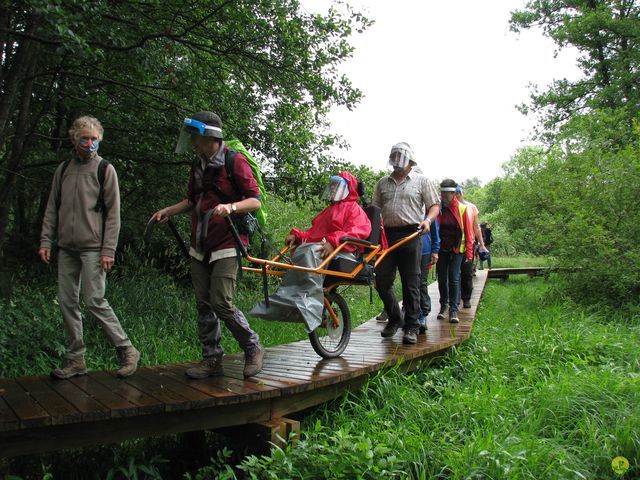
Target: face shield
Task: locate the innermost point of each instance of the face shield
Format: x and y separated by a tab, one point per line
337	189
447	194
401	156
190	127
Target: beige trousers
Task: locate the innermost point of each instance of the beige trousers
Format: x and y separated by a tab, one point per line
76	269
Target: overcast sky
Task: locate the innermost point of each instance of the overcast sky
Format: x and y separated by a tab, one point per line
444	77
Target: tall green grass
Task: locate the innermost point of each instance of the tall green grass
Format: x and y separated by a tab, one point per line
542	390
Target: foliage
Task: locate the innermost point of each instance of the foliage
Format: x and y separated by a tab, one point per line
544	389
606	34
268	68
579	205
135	470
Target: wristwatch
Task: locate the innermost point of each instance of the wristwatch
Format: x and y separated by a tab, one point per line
233	207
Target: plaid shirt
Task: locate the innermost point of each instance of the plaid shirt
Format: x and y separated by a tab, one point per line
407	202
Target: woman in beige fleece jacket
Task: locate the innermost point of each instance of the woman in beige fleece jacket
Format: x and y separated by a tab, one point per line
87	235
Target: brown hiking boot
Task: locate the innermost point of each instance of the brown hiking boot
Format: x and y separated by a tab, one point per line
75	366
129	357
253	361
208	367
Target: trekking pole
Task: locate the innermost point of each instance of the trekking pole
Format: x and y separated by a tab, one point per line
149	231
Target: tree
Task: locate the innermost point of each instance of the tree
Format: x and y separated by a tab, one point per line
268	68
607	34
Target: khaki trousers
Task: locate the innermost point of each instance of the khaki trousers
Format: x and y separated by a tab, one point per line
215	285
76	269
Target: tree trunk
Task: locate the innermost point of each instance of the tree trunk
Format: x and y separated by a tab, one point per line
17	145
22	62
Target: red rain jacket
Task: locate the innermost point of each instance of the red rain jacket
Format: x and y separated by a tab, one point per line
345	218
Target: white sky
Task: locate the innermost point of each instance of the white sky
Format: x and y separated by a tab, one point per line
445	77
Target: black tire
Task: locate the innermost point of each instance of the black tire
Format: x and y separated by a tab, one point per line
329	342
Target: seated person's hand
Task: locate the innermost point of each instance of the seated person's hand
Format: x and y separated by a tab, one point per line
327	248
290	239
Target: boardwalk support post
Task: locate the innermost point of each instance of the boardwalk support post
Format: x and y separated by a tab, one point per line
265	435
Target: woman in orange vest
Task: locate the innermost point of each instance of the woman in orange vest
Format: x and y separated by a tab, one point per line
456	246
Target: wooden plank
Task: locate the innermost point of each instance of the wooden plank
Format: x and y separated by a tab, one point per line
8	419
76	435
285	405
24	406
60	410
218	394
197	398
146	404
294	378
89	409
151	386
117	405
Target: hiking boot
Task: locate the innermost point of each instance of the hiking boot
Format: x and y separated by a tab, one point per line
383	317
253	361
453	317
443	312
208	367
129	357
410	337
74	367
389	330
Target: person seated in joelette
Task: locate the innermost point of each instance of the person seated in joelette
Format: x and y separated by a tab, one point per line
344	217
299	296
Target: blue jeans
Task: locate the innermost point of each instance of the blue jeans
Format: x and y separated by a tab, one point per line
425	300
448	271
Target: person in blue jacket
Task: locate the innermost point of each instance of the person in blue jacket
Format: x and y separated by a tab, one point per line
430	249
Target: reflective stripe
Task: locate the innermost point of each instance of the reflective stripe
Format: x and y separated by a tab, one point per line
462	208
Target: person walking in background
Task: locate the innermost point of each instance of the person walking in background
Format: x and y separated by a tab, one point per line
214	265
430	249
466	276
456	246
487	237
83	214
408	202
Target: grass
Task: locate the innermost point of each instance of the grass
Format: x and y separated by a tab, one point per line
542	390
520	261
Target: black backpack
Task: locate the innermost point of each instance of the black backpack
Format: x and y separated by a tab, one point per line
102	168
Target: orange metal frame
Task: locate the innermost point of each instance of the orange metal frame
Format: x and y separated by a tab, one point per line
275	266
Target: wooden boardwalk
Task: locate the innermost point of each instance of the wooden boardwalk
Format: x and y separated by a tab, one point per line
38	414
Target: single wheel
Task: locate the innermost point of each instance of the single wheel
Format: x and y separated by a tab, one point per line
332	336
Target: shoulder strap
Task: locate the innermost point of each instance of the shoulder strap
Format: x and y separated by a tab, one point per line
229	160
102	168
65	164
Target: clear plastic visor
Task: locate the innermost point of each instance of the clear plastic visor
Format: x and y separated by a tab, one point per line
191	127
400	159
336	190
